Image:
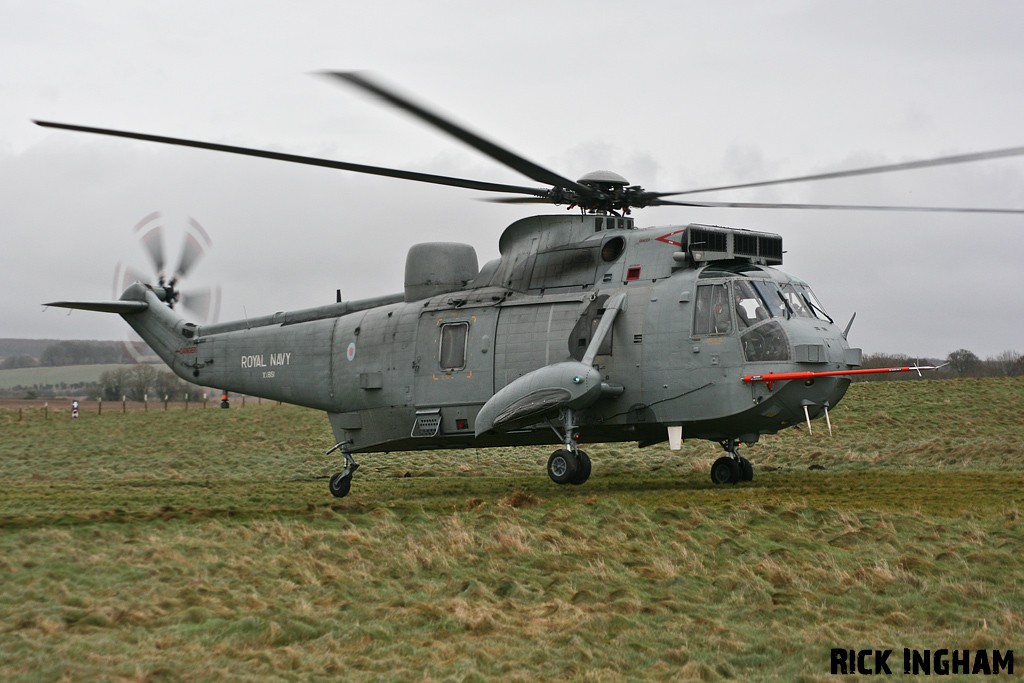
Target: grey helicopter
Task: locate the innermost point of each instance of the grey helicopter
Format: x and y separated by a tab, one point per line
587	329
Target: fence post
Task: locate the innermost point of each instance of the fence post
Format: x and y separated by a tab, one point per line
165	402
186	401
99	407
145	402
124	401
204	400
46	410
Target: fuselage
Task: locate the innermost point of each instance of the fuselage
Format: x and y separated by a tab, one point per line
398	374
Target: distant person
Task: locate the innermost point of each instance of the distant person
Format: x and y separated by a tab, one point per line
74	410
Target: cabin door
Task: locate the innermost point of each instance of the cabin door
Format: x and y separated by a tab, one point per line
455	357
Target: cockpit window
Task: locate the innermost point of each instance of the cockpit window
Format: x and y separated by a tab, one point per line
794	294
750	306
772	298
765	343
803	302
711	313
812	301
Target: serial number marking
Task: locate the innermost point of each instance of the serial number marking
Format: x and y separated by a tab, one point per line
269	374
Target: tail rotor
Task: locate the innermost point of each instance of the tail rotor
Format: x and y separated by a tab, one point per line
202	303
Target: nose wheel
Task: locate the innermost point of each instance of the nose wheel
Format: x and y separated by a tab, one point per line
732	468
568	465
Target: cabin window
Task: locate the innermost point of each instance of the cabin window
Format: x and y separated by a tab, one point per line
453	345
711	312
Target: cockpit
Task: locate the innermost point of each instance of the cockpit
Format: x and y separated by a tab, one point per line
752	302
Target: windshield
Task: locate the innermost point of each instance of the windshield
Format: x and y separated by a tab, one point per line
803	302
772	298
795	298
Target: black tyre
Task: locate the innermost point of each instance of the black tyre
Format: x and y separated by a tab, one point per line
582	469
725	471
340	484
562	466
746	470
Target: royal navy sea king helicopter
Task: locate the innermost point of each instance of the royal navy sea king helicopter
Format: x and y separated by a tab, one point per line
586	329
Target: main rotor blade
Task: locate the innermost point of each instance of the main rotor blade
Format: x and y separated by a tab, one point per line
310	161
840	207
518	200
496	152
869	170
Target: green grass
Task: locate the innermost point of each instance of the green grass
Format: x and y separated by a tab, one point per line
42	376
203	546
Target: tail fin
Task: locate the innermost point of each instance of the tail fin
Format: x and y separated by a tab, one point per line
103	306
164	330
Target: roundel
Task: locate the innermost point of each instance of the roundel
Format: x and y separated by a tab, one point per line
350	353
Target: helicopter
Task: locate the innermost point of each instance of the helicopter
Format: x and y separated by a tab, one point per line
586	329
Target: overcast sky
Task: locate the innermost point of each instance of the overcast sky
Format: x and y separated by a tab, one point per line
672	95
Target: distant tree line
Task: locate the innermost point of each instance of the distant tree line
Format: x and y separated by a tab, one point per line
134	382
141	382
70	353
959	363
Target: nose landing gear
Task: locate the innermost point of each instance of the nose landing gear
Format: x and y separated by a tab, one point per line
568	465
732	468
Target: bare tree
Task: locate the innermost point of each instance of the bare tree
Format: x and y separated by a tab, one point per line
141	378
115	383
962	361
168	384
1008	363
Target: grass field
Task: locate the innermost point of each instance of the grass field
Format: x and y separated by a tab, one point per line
42	376
204	546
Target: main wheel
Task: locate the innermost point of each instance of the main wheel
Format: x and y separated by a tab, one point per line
562	466
746	470
340	484
725	471
583	469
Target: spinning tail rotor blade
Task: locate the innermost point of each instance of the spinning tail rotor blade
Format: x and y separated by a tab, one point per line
191	252
202	303
153	242
197	241
131	276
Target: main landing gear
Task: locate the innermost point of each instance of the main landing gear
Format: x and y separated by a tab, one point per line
341	482
732	468
568	465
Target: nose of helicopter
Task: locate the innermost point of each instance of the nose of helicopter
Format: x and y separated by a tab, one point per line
801	400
